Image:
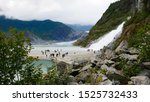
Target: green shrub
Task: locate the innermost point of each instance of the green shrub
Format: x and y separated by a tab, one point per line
129	69
15	64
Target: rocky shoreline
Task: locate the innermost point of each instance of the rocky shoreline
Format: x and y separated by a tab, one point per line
106	69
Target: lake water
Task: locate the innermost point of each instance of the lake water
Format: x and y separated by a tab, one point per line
46	63
64	47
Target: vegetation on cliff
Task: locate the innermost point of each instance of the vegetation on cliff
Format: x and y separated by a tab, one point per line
114	15
137	33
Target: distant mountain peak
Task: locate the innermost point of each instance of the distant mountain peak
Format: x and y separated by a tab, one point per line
46	30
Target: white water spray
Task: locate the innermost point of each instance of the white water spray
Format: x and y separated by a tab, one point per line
107	39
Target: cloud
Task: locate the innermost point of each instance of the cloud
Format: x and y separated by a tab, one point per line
67	11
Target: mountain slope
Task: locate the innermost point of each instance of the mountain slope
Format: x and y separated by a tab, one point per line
80	27
114	16
137	30
127	60
45	30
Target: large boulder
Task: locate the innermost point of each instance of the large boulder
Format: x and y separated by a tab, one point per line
133	51
85	68
109	54
79	64
146	65
108	62
97	78
75	72
62	67
117	79
106	53
115	58
129	57
102	75
122	47
109	69
140	80
83	77
94	62
144	72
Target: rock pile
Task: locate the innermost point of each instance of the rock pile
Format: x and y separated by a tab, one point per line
105	69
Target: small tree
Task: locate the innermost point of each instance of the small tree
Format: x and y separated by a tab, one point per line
15	63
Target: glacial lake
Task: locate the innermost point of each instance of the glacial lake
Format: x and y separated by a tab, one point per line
46	63
68	47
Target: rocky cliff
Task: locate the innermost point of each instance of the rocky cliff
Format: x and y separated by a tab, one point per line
127	61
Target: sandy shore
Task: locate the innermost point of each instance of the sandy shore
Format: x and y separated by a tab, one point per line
69	58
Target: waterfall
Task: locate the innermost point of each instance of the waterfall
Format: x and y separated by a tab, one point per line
107	38
138	5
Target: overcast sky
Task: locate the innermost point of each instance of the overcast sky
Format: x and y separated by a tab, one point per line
66	11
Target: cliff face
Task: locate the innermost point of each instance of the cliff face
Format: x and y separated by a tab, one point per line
137	30
140	5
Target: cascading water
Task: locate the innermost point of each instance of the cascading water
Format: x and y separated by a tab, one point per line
107	39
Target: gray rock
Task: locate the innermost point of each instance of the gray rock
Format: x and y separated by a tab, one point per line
71	78
94	62
109	69
102	75
83	76
145	72
62	66
116	78
109	54
100	63
146	65
85	68
108	62
123	46
106	53
80	83
148	33
93	78
129	57
140	80
115	59
79	64
76	65
133	51
106	82
75	72
130	83
73	83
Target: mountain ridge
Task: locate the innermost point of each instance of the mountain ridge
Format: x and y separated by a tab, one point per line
46	30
